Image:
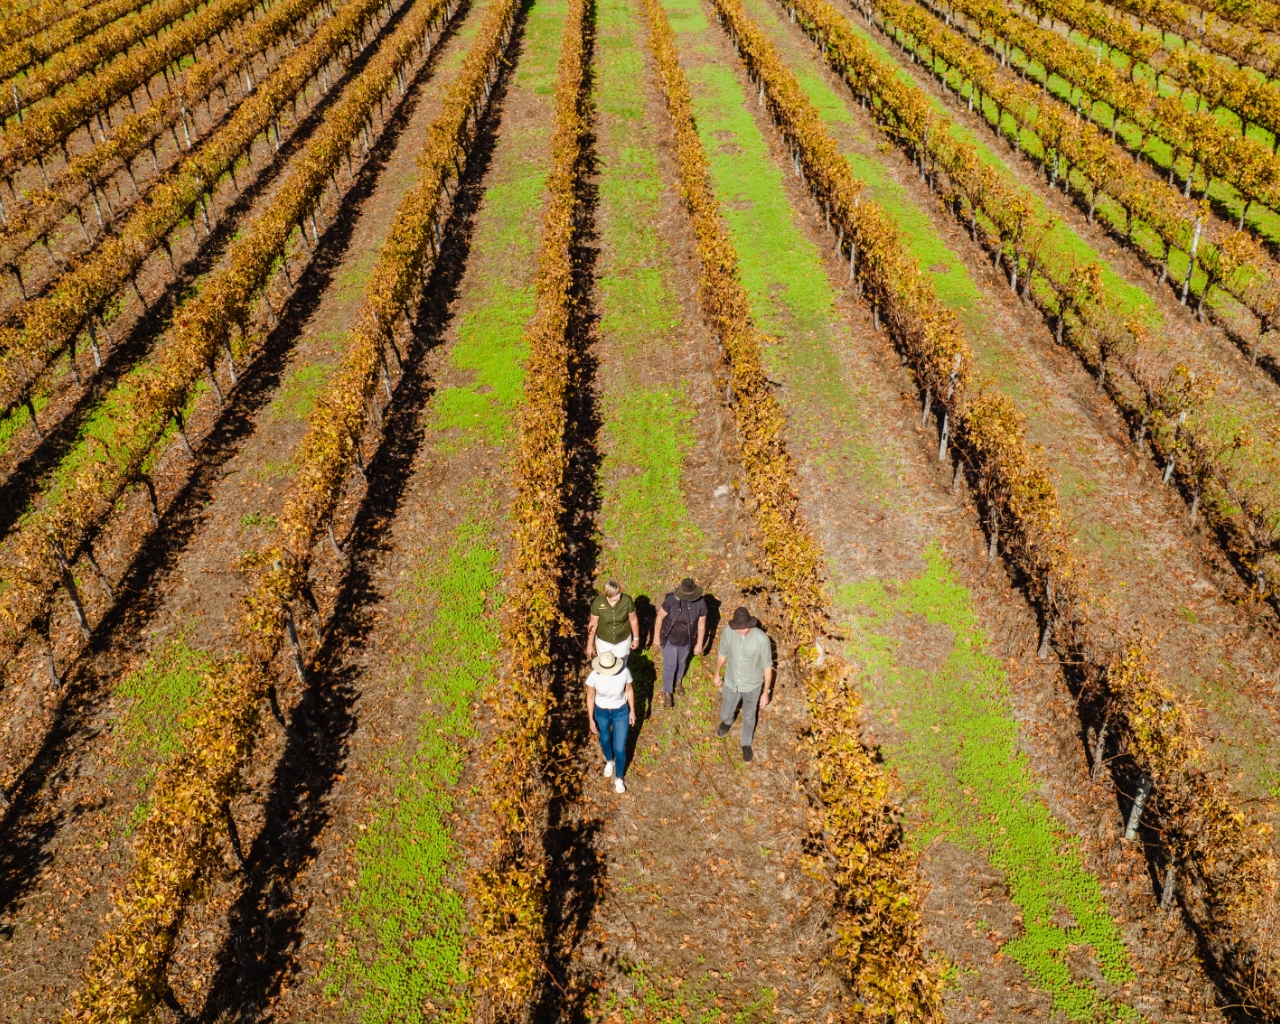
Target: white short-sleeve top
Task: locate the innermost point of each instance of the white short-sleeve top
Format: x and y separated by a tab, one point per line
611	691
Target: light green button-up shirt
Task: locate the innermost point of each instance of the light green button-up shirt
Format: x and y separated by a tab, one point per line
746	659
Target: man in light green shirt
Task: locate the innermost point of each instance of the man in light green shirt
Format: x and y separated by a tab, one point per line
746	664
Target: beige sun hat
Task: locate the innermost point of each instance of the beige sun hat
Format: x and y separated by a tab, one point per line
606	663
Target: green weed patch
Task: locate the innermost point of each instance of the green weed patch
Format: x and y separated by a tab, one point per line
956	747
648	535
406	922
398	955
783	272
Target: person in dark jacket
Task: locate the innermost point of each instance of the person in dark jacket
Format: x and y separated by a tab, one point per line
679	632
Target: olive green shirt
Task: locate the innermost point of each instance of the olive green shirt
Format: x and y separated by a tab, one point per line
615	620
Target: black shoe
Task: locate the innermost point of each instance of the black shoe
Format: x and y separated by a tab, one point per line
746	754
669	699
723	730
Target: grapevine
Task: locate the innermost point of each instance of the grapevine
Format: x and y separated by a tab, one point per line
152	398
71	29
178	843
69	62
1156	392
16	25
51	322
1205	830
1242	163
876	877
1219	84
1242	43
45	208
509	888
1234	262
50	122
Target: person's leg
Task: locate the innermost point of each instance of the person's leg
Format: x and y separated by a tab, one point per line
682	664
621	726
750	708
728	707
605	724
674	660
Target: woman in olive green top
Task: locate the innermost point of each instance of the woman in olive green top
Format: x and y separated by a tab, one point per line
614	625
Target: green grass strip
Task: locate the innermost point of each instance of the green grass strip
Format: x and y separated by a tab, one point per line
955	744
793	298
405	924
649	539
407	919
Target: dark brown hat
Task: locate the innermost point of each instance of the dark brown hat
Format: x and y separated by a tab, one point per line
742	619
688	590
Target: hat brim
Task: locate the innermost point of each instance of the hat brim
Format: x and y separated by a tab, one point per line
751	623
689	595
597	667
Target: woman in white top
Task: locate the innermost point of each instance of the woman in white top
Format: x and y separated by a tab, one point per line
611	711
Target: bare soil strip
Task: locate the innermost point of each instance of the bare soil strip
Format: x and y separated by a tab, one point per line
692	893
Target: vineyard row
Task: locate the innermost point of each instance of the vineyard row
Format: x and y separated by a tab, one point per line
1216	83
52	322
1205	833
151	403
509	886
1243	43
16	25
1243	164
179	842
43	209
1235	262
1170	402
38	47
874	875
70	62
51	122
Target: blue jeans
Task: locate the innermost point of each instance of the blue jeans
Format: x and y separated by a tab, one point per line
614	723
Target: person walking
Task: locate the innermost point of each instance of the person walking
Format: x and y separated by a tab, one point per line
679	632
611	711
746	661
614	625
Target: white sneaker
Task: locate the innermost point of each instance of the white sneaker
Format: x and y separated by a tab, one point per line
608	769
619	786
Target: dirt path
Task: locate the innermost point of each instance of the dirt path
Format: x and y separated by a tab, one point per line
150	651
981	734
696	902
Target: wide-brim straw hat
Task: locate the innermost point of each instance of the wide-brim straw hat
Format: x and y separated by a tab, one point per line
688	590
606	663
743	619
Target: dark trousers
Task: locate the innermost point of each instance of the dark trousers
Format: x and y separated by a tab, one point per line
614	723
675	662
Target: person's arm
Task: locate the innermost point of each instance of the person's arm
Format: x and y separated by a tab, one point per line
720	663
768	687
702	634
657	626
635	630
592	625
591	710
631	703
